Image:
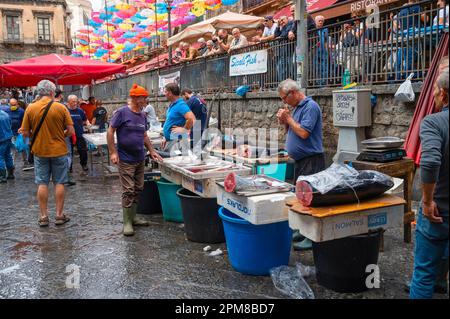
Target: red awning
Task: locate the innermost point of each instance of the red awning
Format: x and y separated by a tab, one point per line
312	5
425	104
61	69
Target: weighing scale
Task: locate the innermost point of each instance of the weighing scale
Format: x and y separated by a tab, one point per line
381	156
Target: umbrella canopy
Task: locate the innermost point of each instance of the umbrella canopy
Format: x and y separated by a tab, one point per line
226	20
61	69
425	104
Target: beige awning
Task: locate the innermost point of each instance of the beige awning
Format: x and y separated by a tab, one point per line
227	20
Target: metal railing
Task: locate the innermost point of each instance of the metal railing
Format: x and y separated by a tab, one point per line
381	49
372	55
248	4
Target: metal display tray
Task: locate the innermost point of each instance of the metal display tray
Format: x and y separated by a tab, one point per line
287	187
383	142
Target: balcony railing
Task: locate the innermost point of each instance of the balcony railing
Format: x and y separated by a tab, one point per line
384	54
249	4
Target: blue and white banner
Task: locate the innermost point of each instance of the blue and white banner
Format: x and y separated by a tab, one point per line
254	62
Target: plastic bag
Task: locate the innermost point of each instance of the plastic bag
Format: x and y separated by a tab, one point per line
21	144
289	280
329	178
405	92
341	184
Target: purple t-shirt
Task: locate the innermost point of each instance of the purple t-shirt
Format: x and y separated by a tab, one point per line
130	129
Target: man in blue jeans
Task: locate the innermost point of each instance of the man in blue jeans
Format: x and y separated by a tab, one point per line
432	222
6	160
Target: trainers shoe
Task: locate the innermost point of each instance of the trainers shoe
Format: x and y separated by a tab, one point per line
85	168
71	183
28	168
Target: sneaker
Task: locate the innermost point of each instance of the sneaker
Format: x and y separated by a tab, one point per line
71	183
85	168
28	167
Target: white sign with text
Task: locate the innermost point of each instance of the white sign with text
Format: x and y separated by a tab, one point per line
254	62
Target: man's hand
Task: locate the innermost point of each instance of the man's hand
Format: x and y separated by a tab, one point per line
163	143
179	130
291	35
114	158
431	212
155	156
283	115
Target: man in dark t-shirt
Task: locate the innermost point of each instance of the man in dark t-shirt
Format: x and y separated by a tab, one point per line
198	107
129	123
99	116
79	119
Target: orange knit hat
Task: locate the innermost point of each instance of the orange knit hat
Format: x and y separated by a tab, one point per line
137	90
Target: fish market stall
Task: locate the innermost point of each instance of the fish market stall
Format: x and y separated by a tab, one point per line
268	161
344	213
98	141
255	221
198	175
197	199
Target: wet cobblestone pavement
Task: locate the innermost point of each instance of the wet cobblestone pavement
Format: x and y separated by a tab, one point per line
158	262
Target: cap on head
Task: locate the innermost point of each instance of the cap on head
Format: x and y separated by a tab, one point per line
137	91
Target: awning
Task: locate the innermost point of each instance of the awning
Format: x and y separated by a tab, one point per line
226	20
61	69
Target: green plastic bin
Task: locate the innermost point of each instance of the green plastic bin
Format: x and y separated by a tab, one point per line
170	202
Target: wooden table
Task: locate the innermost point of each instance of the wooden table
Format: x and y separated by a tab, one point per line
403	169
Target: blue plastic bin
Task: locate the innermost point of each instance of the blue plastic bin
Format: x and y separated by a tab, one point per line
274	170
255	249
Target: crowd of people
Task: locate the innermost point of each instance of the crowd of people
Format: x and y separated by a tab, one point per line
332	49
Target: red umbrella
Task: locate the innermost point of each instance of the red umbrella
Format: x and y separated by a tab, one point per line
425	104
63	70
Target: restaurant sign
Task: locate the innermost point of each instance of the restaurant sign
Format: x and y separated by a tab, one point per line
364	4
254	62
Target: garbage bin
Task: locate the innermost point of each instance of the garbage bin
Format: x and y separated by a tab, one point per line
149	201
341	263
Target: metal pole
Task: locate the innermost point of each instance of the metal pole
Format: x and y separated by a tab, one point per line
107	32
301	15
169	8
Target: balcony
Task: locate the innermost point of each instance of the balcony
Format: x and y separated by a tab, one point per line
251	4
262	6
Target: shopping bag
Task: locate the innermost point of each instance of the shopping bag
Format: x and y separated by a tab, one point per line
405	92
20	144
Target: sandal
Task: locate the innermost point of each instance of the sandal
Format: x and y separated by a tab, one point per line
60	220
43	221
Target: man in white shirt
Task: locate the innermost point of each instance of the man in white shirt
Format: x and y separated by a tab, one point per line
239	40
152	119
443	15
269	30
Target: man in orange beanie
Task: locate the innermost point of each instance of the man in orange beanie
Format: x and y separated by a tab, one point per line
130	125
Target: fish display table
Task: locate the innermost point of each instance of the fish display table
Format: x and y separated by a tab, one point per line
268	165
339	221
403	169
199	176
99	140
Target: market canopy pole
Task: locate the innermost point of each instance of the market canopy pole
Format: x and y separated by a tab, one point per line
169	9
301	15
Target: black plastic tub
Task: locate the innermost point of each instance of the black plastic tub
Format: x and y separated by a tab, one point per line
149	202
341	263
201	220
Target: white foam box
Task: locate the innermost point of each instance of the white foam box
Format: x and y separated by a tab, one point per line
320	229
258	210
170	174
203	187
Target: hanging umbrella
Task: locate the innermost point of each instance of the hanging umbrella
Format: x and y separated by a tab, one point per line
425	104
61	69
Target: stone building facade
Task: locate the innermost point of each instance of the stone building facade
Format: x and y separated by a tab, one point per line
32	28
